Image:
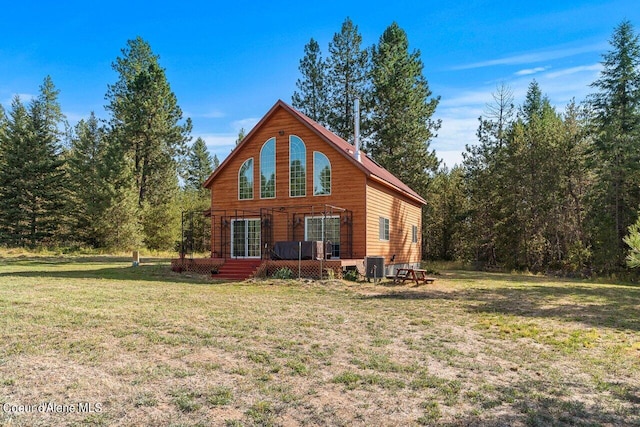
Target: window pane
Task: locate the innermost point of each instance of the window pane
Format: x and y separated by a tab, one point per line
384	229
268	170
326	229
297	167
321	174
245	180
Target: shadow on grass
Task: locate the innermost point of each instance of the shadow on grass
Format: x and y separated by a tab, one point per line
89	259
151	273
541	403
590	304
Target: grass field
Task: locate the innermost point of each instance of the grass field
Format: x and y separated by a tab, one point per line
143	346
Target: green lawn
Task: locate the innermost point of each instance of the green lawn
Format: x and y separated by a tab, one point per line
145	346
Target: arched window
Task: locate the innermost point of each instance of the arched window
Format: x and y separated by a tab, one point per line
321	174
268	169
297	167
245	180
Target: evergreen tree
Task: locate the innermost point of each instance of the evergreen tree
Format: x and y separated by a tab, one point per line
33	182
3	123
241	135
312	98
402	110
484	166
632	240
215	162
616	147
119	226
347	71
14	196
146	125
444	234
87	181
199	166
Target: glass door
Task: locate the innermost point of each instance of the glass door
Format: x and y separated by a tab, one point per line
324	228
245	238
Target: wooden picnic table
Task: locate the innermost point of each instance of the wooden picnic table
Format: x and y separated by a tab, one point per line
414	274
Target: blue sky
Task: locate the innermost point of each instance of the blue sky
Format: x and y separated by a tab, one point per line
229	62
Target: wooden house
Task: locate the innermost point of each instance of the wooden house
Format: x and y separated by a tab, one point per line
292	180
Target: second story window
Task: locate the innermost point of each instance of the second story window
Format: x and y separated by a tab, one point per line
321	174
297	167
245	180
268	169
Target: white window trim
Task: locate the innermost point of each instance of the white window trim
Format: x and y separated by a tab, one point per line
414	234
306	223
381	229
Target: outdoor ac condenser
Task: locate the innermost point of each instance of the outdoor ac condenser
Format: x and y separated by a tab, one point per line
374	267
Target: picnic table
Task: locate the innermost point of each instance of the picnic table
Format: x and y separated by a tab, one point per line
414	274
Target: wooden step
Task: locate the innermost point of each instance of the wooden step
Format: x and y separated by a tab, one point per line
237	269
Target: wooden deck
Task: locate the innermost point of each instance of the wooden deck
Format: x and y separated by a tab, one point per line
264	268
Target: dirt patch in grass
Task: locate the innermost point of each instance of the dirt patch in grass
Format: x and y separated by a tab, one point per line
143	346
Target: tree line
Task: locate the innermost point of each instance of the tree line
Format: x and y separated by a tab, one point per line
115	184
540	189
544	189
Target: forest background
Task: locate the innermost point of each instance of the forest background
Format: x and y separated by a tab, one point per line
540	189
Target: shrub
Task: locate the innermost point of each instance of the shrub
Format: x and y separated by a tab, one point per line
283	273
351	275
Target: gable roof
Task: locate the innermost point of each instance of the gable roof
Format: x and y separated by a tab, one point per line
372	169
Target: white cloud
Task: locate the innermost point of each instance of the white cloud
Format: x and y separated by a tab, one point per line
575	70
535	56
450	158
459	113
246	124
24	98
529	71
219	144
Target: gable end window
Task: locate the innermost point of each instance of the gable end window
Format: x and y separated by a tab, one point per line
384	229
414	234
268	169
297	167
245	180
321	174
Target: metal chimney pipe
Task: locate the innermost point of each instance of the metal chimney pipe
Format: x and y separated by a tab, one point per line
356	127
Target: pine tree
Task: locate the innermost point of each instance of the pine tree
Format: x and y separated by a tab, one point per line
484	166
241	135
443	235
402	110
199	166
33	182
85	161
312	98
146	125
347	71
118	227
14	196
616	146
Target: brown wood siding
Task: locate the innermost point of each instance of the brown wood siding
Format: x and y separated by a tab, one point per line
402	214
348	183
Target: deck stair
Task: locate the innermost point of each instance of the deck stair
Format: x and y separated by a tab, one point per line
237	269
